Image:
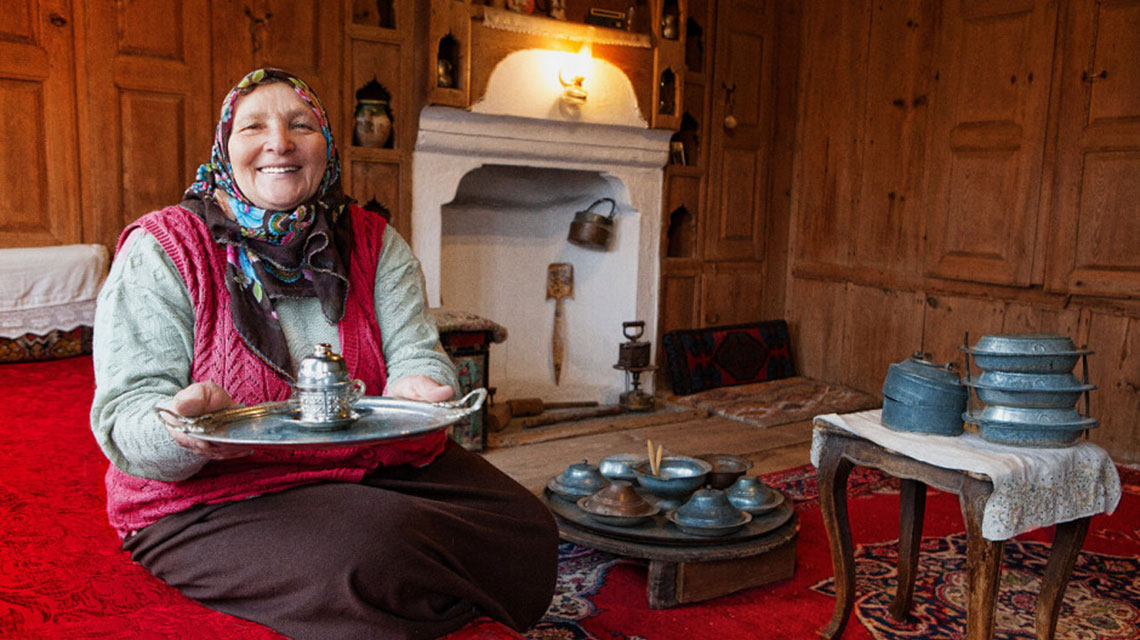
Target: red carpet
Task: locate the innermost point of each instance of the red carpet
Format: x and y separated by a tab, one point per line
63	576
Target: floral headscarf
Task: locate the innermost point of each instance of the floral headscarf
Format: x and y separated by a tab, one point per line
301	253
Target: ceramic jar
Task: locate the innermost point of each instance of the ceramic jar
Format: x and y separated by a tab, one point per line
373	124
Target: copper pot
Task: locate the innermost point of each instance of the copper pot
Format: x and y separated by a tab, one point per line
592	230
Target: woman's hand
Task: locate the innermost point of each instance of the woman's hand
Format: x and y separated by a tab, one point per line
420	388
195	400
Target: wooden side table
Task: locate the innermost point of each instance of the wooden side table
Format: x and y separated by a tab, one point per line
842	450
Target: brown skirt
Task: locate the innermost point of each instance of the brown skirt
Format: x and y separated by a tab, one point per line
407	553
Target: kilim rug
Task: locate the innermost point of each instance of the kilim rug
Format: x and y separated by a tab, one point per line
603	597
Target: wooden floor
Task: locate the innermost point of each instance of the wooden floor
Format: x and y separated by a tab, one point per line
534	456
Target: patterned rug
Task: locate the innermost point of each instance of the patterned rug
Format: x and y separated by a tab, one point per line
602	597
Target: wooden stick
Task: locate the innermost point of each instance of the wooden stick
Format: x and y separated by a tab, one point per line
657	465
649	448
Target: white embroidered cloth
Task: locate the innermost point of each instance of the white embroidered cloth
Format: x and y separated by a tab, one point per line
1033	487
47	288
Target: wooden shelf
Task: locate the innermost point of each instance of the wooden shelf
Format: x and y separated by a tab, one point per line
368	154
559	29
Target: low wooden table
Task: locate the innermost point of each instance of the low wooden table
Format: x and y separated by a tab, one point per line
843	450
681	574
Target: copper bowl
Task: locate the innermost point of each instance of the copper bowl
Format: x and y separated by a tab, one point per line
726	468
618	505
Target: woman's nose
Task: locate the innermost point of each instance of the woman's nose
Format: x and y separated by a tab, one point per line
279	140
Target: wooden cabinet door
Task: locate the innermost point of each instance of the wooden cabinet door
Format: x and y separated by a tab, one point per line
731	293
39	173
149	119
994	63
740	130
1098	176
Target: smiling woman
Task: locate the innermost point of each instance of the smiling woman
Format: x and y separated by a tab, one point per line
211	304
276	148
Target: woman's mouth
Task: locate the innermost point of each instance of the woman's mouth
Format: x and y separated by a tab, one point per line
278	170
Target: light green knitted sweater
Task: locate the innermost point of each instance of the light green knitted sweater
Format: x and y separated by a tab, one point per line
144	343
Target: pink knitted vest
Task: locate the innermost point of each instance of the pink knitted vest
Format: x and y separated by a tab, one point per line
221	356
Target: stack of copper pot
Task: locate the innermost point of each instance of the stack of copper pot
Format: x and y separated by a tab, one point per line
1029	389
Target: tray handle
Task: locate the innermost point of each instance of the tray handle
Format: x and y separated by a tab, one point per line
476	398
208	421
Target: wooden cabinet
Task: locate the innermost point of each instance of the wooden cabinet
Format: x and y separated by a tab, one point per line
381	49
1094	240
717	194
994	65
39	172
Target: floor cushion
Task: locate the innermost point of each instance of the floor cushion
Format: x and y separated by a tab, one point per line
714	357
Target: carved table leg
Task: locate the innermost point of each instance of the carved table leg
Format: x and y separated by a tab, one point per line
833	472
983	567
912	507
1067	543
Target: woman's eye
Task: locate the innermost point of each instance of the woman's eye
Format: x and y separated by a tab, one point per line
304	125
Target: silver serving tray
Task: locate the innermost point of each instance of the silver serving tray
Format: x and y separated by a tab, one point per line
376	419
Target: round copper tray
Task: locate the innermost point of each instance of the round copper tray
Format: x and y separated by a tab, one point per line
657	530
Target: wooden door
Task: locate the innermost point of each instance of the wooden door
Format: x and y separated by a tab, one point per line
993	68
39	173
740	130
149	122
1098	197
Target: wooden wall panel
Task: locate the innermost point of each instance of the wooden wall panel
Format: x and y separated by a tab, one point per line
881	327
378	181
304	37
984	176
1115	369
947	320
817	315
888	234
149	120
834	61
680	287
1098	217
152	173
39	174
24	185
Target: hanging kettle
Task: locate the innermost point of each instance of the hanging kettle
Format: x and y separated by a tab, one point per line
592	230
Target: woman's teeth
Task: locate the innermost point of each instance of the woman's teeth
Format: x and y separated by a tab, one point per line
279	169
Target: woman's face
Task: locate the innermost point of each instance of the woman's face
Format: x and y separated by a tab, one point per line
276	148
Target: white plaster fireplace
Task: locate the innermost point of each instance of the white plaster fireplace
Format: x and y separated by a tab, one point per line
495	190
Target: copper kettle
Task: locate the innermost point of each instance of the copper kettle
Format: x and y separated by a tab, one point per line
592	230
